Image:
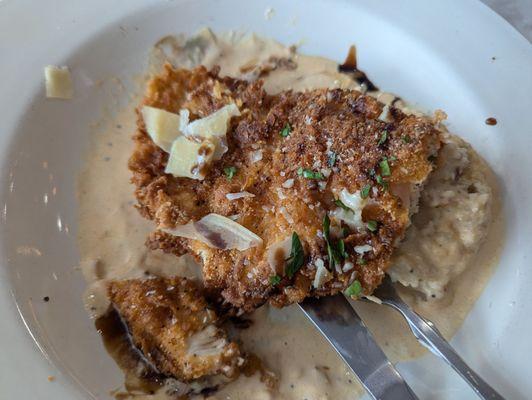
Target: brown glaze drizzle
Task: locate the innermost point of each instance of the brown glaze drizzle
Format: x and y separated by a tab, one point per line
279	260
254	364
350	67
139	374
491	121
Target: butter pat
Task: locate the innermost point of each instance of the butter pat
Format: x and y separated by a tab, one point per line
162	126
189	158
58	82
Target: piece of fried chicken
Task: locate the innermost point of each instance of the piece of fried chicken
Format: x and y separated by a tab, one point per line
332	177
171	323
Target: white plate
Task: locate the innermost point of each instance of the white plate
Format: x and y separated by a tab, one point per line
437	54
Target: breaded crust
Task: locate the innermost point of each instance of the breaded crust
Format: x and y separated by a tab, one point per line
342	134
171	323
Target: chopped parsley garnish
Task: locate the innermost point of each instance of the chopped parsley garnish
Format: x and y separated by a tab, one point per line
385	167
341	249
331	252
372	225
345	232
392	158
309	174
332	159
383	139
335	253
297	256
230	172
339	203
381	181
364	192
354	289
286	130
406	139
361	261
275	280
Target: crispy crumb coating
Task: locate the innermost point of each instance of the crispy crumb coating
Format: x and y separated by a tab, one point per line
336	133
171	323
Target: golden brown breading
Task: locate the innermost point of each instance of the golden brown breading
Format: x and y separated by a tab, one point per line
171	323
336	134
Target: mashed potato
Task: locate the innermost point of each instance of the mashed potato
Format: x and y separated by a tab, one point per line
452	222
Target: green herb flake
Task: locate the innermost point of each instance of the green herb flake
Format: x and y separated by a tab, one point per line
406	139
341	249
361	261
275	280
334	257
381	182
339	203
383	139
372	225
354	289
392	158
332	159
285	132
345	232
364	192
230	172
385	167
310	174
297	256
326	226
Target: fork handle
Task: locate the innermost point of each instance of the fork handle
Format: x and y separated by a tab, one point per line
429	336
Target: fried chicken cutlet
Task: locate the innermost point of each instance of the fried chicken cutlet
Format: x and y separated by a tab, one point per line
326	180
171	323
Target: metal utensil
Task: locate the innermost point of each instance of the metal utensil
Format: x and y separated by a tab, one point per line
429	336
342	327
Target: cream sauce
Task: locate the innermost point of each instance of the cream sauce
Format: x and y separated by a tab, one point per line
112	235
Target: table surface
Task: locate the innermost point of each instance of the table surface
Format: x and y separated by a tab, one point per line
516	12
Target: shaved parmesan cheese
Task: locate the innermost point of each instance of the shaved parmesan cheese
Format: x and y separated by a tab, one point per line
363	249
163	127
374	299
322	274
348	266
288	183
385	114
353	216
239	195
277	255
184	118
218	232
189	159
286	215
58	82
256	156
213	127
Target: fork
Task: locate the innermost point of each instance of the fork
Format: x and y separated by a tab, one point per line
429	336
